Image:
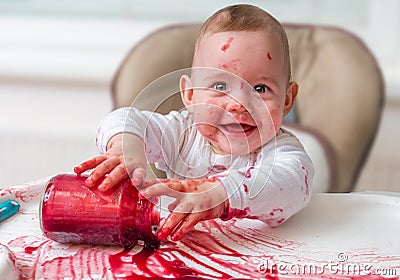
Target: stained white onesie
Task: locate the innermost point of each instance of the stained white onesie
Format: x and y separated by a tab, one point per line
270	184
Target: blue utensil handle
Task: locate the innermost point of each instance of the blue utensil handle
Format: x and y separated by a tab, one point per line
8	208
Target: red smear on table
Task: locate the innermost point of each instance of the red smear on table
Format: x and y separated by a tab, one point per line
214	250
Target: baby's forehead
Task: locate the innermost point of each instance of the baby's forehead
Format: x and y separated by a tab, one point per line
239	42
215	36
210	72
245	53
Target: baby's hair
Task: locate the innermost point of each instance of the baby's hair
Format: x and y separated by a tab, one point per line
244	17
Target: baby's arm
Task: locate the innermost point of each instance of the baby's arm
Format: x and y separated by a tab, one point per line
277	186
120	139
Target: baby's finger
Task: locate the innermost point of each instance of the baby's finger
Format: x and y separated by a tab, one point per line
158	190
174	219
114	177
169	225
150	182
173	205
187	224
175	185
101	170
89	164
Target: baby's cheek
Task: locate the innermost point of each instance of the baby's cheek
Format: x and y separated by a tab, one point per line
212	106
275	119
209	131
206	110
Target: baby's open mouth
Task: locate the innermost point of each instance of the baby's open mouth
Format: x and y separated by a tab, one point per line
237	128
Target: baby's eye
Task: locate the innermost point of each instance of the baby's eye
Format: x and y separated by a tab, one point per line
220	86
261	88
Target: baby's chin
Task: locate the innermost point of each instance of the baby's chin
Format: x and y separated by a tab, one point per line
235	149
222	144
239	148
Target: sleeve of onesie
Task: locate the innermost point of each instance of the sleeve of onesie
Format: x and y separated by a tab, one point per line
277	186
161	133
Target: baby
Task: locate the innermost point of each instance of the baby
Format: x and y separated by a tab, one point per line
225	154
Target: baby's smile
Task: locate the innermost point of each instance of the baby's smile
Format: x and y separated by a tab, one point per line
238	129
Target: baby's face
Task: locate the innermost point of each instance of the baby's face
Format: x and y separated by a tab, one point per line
238	92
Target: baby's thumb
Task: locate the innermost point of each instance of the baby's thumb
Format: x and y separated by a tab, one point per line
138	176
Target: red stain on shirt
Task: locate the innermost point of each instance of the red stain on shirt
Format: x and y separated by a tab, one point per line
227	44
306	181
218	168
280	221
240	213
248	174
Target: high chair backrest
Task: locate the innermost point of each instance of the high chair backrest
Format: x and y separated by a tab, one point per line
340	96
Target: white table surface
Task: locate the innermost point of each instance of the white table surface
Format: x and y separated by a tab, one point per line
337	236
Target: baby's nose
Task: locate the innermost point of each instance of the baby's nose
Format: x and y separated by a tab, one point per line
235	105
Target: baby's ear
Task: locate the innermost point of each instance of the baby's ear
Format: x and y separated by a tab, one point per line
291	94
186	87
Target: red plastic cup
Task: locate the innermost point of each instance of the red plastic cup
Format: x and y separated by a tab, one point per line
70	212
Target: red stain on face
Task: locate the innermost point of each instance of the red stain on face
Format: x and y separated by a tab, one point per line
227	44
224	66
208	131
269	56
232	66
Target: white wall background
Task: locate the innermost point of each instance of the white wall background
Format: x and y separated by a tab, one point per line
57	60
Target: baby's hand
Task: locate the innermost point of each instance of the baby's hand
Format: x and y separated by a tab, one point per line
195	200
115	165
